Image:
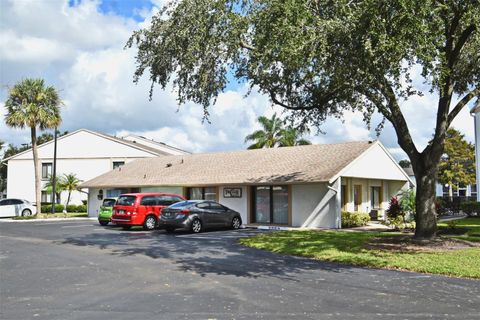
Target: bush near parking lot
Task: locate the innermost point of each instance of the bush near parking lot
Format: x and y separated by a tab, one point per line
48	208
470	208
81	208
354	219
59	208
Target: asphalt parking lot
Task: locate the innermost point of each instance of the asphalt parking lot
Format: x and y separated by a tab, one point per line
80	270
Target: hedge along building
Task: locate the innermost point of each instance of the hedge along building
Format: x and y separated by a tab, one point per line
303	186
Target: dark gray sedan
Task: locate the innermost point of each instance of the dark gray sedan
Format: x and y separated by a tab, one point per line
197	215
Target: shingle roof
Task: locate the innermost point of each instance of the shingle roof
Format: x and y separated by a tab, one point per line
313	163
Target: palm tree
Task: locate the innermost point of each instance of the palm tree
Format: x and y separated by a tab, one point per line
69	182
270	134
32	104
292	137
58	187
275	134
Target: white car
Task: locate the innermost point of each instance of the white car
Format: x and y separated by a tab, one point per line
16	207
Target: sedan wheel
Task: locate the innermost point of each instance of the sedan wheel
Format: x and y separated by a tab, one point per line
196	226
26	213
150	223
236	223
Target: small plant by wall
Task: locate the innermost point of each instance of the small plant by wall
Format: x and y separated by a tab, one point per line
354	219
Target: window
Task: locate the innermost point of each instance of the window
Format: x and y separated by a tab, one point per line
16	201
46	170
203	205
216	206
149	201
118	164
357	197
46	197
183	204
473	190
126	200
115	193
375	198
167	200
446	190
108	202
207	193
4	202
271	204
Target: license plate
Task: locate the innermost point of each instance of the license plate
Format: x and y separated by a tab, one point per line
121	211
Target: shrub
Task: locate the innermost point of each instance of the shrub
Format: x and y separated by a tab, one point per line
48	208
354	219
81	208
407	204
440	206
72	208
394	209
470	207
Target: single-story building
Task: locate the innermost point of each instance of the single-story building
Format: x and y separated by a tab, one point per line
302	186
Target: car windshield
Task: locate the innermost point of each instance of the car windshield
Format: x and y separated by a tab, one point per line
109	202
126	200
182	205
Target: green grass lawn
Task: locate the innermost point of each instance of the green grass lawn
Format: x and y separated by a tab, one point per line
55	215
351	248
466	229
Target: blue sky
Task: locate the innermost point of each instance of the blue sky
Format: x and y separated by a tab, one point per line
125	8
78	48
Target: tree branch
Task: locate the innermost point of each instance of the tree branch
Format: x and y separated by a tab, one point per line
461	42
462	103
398	121
245	45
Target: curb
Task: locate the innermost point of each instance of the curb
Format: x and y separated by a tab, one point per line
48	220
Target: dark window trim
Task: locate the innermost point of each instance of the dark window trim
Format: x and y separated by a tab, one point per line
47	164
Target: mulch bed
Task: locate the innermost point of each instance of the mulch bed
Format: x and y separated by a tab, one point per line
409	244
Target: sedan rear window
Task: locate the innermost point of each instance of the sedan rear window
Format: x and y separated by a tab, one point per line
126	200
183	204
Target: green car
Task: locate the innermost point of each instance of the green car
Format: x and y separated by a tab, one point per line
105	214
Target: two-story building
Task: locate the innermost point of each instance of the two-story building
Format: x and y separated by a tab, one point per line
85	153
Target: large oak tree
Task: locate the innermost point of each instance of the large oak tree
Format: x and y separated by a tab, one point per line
321	58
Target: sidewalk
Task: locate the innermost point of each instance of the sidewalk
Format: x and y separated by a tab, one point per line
48	219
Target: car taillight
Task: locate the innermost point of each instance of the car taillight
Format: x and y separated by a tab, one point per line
184	212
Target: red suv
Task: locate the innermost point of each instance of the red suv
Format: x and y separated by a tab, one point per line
141	209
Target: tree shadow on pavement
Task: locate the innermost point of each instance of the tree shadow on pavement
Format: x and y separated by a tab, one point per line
207	253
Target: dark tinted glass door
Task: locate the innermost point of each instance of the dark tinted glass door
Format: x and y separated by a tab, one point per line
262	205
280	204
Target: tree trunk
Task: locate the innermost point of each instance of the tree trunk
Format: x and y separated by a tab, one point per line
68	199
38	181
426	211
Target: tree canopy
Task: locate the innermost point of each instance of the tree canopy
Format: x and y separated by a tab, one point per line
320	59
457	166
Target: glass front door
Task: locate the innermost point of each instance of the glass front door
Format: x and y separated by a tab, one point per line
271	204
